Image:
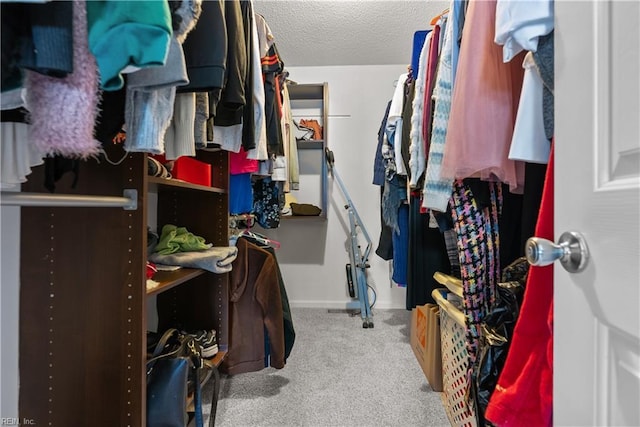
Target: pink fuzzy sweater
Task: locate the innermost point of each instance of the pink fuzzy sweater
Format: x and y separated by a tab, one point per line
63	111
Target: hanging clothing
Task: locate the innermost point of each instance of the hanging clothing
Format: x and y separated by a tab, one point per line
416	145
385	244
38	37
529	142
259	152
401	247
458	11
407	113
419	40
290	144
427	254
394	123
272	66
520	23
476	225
179	138
17	154
228	116
240	193
431	63
289	330
483	106
151	92
266	202
205	53
55	104
437	189
531	199
240	163
545	58
378	163
255	306
123	34
524	393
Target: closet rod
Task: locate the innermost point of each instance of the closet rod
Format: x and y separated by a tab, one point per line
128	202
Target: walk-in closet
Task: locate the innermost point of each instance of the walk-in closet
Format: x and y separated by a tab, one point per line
320	213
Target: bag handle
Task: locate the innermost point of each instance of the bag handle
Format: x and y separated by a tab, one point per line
163	342
189	342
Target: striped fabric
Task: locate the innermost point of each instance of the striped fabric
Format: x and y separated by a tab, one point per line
477	232
437	191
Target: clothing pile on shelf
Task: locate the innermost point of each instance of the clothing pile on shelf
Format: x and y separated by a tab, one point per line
179	247
461	160
176	76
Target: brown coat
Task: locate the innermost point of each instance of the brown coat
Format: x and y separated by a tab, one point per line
255	307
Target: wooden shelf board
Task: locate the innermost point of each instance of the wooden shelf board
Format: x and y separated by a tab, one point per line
169	279
306	91
175	184
218	358
310	144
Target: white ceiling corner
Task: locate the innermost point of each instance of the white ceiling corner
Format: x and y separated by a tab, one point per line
364	32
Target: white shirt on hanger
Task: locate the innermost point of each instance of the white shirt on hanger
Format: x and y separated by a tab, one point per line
394	123
529	142
519	23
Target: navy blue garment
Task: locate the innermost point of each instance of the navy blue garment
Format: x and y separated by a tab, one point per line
401	247
419	38
266	203
240	194
378	162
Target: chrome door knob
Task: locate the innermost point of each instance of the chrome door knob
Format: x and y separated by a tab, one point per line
571	250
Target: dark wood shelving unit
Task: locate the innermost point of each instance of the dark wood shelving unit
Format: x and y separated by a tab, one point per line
83	296
169	279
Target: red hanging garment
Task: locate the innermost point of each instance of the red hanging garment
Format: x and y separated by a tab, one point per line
524	393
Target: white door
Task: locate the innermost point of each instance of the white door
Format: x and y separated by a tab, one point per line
597	188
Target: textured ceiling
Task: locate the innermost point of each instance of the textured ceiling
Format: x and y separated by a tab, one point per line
365	32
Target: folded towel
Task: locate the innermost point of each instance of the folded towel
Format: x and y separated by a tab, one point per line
215	259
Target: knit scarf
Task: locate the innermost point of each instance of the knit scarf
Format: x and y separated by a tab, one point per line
63	110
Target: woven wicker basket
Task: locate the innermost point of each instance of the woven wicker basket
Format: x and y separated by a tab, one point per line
455	360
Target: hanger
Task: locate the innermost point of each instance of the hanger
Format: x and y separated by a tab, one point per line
436	18
240	225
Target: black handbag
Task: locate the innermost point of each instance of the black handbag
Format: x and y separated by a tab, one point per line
174	362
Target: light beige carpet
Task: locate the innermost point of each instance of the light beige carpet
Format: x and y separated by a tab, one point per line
338	374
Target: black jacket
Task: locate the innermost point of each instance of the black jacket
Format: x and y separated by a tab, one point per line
205	52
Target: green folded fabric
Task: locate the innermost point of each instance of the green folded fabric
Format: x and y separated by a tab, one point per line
177	239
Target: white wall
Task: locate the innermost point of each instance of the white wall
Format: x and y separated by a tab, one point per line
9	309
313	254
